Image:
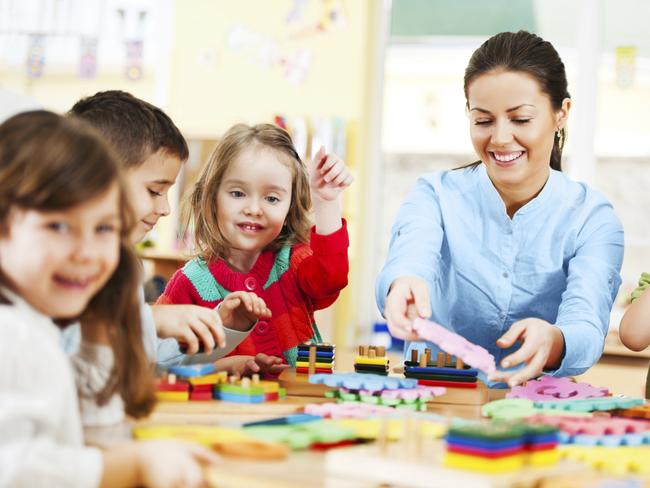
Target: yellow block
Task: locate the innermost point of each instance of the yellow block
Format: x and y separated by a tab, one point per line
369	428
366	360
619	460
173	396
485	465
202	434
209	379
301	364
543	458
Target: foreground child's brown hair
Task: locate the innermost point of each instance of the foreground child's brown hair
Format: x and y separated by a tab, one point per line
51	163
209	240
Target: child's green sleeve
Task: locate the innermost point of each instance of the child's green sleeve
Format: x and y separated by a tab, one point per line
644	283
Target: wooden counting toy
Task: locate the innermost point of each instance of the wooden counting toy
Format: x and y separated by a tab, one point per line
194	382
315	358
472	354
371	359
249	390
446	371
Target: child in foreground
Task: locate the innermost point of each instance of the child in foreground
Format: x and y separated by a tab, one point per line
65	255
250	214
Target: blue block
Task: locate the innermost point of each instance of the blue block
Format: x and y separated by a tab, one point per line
319	354
192	370
484	444
299	418
237	398
444	371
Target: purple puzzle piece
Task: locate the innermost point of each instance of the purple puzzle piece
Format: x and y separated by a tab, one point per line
456	345
552	389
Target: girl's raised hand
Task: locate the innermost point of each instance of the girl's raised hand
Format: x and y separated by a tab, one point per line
196	328
241	309
328	176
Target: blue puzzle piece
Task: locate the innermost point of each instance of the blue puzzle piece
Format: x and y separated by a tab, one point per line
193	370
607	440
591	404
365	381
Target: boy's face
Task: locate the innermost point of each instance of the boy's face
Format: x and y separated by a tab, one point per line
59	260
149	184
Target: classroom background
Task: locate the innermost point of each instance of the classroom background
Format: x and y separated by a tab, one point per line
377	81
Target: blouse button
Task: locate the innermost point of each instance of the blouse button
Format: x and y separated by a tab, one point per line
505	274
250	283
262	327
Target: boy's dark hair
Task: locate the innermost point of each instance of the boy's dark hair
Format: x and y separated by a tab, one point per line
136	129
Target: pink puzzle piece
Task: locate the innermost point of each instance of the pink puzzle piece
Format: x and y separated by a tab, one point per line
456	345
412	394
347	410
552	389
591	425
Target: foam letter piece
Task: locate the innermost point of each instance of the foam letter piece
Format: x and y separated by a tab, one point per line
456	345
362	381
552	388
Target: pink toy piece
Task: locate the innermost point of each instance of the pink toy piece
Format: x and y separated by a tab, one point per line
347	410
592	425
456	345
553	389
412	394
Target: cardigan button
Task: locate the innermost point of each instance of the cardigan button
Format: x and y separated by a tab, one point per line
250	283
262	327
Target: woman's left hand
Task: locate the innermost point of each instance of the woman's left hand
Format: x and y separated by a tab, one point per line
542	346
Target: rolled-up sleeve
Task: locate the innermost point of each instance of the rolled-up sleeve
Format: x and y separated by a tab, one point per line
416	240
593	281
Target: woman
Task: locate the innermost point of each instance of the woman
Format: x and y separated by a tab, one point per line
508	251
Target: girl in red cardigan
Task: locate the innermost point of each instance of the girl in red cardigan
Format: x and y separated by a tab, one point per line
250	212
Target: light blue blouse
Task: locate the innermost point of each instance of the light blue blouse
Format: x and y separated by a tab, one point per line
558	259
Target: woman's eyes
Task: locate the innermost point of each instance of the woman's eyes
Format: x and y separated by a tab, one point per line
516	121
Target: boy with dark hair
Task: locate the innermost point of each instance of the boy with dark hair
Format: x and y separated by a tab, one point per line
152	151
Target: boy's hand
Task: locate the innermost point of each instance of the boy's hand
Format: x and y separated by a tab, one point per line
261	364
328	176
241	309
191	325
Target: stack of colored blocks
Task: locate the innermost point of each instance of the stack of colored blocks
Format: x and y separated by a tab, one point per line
447	371
249	390
372	360
500	447
194	382
315	358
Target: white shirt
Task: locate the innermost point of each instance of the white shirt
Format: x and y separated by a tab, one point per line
41	438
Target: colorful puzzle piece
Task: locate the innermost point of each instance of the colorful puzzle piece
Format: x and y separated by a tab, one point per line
347	410
302	436
553	389
192	370
359	381
472	354
591	404
617	460
315	358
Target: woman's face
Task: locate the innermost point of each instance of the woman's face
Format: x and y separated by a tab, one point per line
512	126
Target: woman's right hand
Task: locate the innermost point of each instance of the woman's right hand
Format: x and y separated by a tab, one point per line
172	464
408	298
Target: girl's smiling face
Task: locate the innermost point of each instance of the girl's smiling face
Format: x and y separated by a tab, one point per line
253	201
57	261
512	127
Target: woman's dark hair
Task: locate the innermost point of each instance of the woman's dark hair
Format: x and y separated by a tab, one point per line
53	163
525	53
